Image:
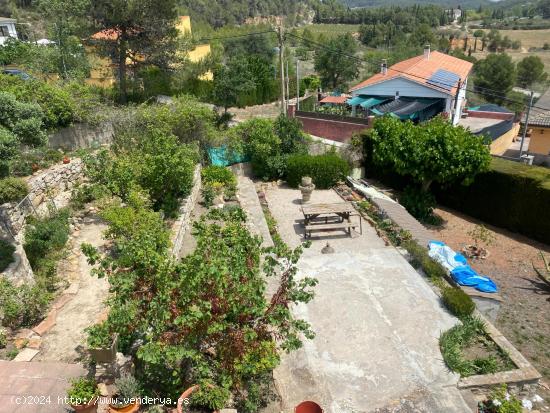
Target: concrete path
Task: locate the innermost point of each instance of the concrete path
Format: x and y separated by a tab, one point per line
377	324
248	198
31	387
66	340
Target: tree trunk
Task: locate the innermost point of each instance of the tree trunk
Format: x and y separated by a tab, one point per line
122	66
426	185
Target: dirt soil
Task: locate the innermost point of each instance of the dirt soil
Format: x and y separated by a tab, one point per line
524	314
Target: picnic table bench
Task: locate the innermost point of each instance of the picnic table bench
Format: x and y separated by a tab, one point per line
327	217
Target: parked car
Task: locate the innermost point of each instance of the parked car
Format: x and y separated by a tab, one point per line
18	73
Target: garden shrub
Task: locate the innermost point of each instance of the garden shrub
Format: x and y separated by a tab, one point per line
12	190
24	120
6	254
217	180
510	195
23	305
458	302
420	258
44	237
325	170
420	204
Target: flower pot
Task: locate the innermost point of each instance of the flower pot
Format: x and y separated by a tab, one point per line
105	355
186	395
91	407
35	167
66	159
308	407
131	408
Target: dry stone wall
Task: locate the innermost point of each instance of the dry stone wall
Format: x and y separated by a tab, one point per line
181	225
82	136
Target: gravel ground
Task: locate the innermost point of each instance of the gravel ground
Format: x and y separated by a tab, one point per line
524	314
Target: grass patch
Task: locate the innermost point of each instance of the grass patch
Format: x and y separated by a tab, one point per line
468	350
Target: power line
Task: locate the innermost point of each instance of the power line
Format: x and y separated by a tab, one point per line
235	36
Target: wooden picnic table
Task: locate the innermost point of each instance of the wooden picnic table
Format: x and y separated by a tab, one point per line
329	217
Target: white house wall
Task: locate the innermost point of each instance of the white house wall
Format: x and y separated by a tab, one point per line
405	87
11	29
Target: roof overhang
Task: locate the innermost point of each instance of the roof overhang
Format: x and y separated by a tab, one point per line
407	78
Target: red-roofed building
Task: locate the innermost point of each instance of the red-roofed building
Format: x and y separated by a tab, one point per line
416	88
335	100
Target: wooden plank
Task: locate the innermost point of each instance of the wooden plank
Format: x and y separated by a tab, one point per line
340	225
336	208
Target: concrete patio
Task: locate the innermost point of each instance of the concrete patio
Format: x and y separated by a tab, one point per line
377	324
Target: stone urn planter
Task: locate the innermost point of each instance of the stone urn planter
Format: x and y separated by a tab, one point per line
105	355
306	188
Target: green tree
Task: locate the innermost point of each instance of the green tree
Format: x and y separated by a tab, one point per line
231	81
530	70
65	19
335	62
495	76
144	33
435	151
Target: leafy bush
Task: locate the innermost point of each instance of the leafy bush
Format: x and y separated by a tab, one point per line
216	179
6	254
3	337
82	391
12	190
420	258
45	238
419	204
500	401
325	170
453	342
510	195
23	305
458	302
26	163
99	336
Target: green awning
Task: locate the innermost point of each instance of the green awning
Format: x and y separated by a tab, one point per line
370	102
356	100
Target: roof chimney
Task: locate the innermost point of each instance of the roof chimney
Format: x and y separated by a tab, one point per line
427	52
384	67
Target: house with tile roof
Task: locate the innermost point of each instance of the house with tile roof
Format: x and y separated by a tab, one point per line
7	29
539	127
416	89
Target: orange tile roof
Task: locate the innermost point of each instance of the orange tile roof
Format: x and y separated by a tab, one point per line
107	34
334	99
419	70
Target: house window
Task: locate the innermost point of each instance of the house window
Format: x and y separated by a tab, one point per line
4	32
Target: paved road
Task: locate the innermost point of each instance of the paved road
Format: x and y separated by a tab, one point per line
377	324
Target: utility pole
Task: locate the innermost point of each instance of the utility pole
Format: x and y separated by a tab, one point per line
297	85
287	85
458	86
526	124
281	42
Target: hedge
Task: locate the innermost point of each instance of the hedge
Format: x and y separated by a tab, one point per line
511	195
325	170
12	190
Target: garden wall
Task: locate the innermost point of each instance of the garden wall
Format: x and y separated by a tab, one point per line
82	136
181	225
511	195
50	185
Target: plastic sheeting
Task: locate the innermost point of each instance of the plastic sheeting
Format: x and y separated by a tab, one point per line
458	266
221	156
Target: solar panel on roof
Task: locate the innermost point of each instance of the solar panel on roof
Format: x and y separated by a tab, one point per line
444	79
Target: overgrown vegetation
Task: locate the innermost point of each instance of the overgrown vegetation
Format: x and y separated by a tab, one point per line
6	254
459	340
216	331
22	306
12	190
501	401
325	170
217	180
457	301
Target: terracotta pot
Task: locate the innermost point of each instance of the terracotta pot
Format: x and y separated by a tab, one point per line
308	407
186	395
66	159
35	167
86	408
131	408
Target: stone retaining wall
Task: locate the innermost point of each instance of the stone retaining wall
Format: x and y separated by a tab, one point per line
82	136
44	187
181	225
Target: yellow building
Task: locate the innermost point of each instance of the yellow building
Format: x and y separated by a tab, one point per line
103	72
540	134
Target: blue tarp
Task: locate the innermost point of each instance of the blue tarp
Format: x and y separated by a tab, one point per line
221	156
370	102
459	269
